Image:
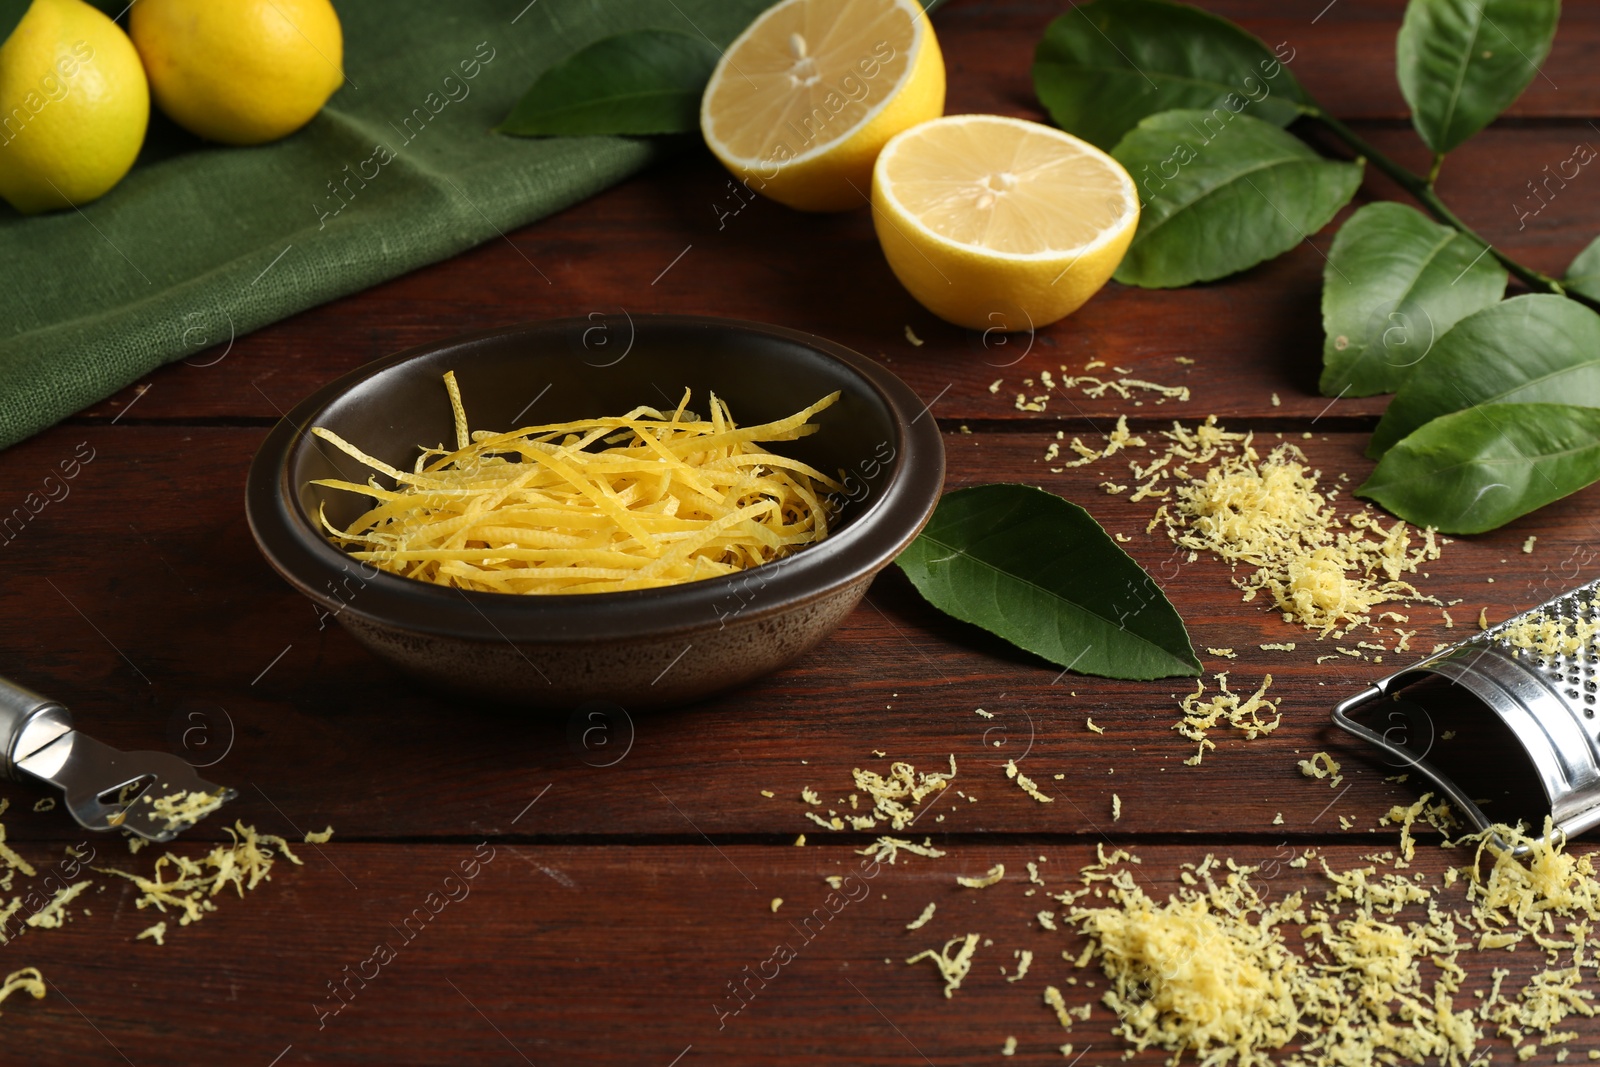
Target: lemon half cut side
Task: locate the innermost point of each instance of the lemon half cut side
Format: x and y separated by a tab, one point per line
994	222
804	99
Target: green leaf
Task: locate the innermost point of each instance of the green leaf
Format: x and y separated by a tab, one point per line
647	81
1529	349
1395	282
1477	469
1222	192
644	81
1462	62
1041	573
1105	65
1584	274
11	12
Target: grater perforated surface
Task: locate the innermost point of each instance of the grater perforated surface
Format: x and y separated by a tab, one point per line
1560	638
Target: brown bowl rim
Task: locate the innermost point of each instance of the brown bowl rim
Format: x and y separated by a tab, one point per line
305	558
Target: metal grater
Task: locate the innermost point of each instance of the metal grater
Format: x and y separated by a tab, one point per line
1548	704
101	785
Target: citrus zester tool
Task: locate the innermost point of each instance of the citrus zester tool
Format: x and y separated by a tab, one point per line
104	788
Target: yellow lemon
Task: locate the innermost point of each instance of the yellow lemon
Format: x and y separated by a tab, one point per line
240	71
801	103
73	106
998	223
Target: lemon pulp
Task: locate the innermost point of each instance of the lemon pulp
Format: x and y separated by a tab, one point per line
804	99
991	221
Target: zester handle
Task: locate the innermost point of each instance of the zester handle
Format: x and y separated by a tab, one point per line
28	722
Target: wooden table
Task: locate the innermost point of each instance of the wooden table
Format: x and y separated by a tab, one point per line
630	880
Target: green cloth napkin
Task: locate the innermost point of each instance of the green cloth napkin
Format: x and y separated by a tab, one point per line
400	169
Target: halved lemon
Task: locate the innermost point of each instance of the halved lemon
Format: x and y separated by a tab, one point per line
1000	223
802	102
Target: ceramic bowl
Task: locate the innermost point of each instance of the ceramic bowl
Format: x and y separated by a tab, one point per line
641	648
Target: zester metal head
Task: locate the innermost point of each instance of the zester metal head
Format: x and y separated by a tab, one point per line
1531	682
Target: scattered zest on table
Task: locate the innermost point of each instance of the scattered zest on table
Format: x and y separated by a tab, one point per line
1192	105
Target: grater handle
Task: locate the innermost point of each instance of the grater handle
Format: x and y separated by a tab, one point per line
1373	693
28	722
38	743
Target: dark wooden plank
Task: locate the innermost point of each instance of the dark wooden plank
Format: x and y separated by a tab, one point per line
149	610
1342	52
1344	55
607	955
1250	336
137	597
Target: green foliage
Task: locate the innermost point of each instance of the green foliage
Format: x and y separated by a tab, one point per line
1039	572
1476	469
1530	349
1222	192
1104	66
647	81
1462	62
1584	274
1393	284
1409	305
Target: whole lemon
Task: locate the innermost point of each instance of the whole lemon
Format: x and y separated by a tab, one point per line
73	106
240	71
